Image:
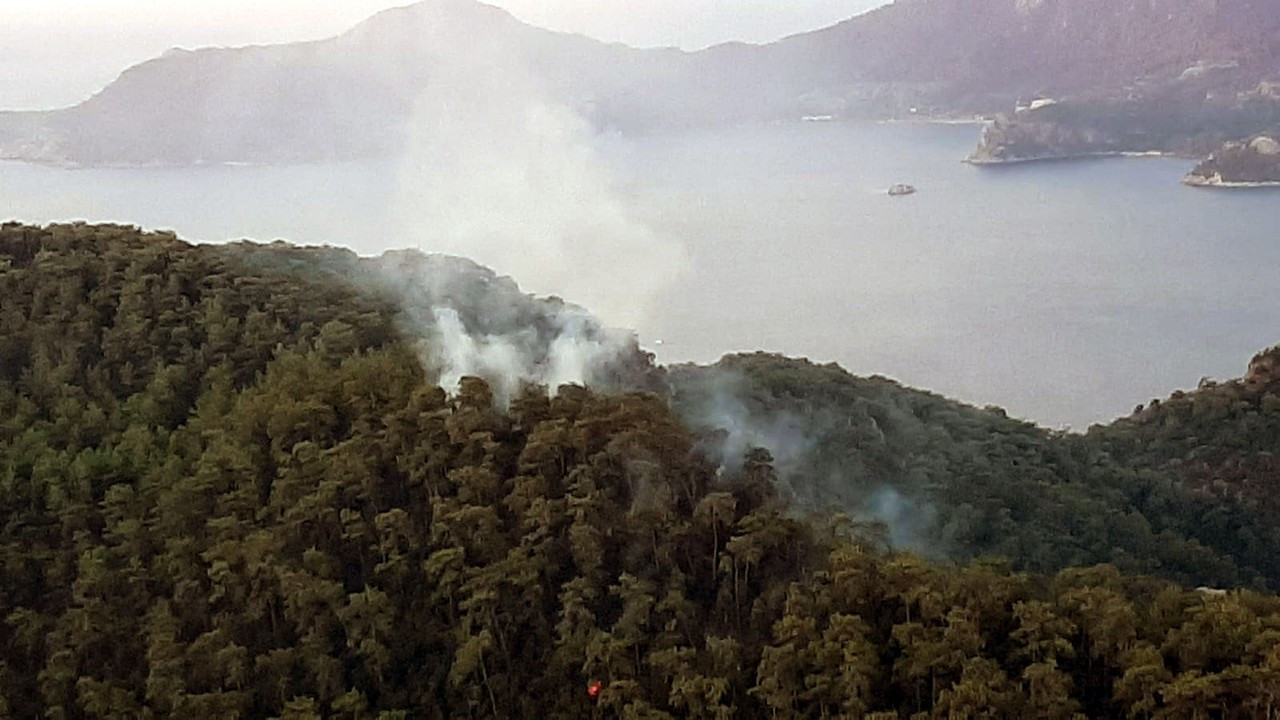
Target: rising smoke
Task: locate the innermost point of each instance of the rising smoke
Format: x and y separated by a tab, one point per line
721	405
575	353
505	171
816	469
471	321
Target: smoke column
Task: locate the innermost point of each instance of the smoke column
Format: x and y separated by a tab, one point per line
499	172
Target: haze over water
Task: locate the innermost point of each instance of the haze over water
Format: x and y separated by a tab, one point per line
1064	292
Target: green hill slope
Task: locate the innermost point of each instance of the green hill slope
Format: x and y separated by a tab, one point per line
230	487
960	482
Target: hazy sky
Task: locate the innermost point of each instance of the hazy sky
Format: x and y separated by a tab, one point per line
57	52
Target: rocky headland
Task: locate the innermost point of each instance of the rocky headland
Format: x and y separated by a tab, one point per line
1242	164
1190	116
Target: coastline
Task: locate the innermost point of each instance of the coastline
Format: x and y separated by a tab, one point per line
933	121
974	160
72	165
1215	182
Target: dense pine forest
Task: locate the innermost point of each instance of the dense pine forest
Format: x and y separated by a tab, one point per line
1183	489
230	487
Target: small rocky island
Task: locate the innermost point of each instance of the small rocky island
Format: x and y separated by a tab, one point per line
1251	163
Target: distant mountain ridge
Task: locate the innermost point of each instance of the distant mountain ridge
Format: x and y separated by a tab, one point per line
345	97
1049	47
354	95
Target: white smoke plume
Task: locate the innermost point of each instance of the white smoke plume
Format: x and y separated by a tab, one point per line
911	522
507	360
800	444
508	173
471	321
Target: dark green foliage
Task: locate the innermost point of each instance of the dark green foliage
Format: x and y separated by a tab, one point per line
227	489
965	483
1209	463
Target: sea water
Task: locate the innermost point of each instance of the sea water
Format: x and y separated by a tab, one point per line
1065	292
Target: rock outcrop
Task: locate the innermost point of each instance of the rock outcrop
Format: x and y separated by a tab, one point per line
1010	140
1251	163
1264	368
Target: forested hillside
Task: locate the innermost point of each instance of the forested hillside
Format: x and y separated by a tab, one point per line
1219	442
230	487
960	482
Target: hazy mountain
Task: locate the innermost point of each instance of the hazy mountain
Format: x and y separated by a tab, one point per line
358	94
350	96
980	54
